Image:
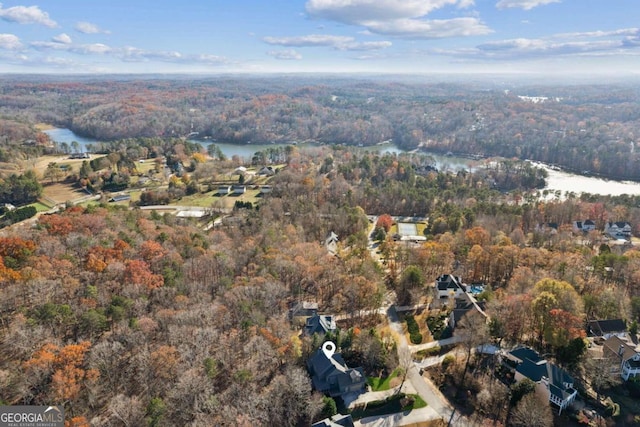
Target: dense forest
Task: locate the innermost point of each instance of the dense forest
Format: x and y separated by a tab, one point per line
129	317
588	129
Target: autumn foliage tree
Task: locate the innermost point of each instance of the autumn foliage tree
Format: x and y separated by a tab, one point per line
385	221
138	272
64	367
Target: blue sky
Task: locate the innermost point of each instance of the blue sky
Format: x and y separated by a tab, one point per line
558	37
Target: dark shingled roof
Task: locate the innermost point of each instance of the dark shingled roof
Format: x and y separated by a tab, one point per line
598	328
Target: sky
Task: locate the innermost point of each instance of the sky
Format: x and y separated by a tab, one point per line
554	37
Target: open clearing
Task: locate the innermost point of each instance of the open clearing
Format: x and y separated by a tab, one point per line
61	193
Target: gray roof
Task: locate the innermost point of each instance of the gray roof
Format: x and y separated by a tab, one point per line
524	353
598	328
330	374
614	346
337	420
449	281
320	324
535	368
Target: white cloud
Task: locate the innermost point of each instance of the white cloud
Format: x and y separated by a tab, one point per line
589	34
288	54
27	15
134	54
523	4
310	40
89	28
81	49
358	11
62	38
94	48
10	42
430	29
336	42
593	43
399	18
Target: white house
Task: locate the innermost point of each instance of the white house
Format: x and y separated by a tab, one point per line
449	285
584	226
618	230
626	354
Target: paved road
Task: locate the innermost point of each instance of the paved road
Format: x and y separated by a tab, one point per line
423	386
432	344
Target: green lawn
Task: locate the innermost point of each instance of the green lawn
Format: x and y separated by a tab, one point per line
381	384
388	406
207	200
40	207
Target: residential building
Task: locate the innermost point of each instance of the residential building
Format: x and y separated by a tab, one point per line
223	190
320	324
331	243
584	226
552	382
330	374
337	420
607	328
301	311
618	230
237	190
267	171
468	308
550	228
627	354
448	286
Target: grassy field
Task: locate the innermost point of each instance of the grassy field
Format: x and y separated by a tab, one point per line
210	199
40	207
62	192
381	384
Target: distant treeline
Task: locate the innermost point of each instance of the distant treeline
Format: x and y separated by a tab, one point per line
587	128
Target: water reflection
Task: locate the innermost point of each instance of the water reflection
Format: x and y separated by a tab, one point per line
557	181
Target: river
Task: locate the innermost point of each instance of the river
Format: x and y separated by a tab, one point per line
557	181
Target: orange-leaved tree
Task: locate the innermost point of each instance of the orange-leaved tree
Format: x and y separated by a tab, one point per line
65	367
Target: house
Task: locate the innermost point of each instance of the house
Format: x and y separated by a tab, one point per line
301	311
470	308
449	285
337	420
552	382
240	170
331	375
618	230
120	198
331	243
584	226
265	189
223	190
266	171
547	228
627	354
238	190
319	324
607	328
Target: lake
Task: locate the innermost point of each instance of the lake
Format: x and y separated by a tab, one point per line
557	180
246	151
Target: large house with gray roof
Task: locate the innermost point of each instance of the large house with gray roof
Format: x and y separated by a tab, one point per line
330	374
448	285
552	382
